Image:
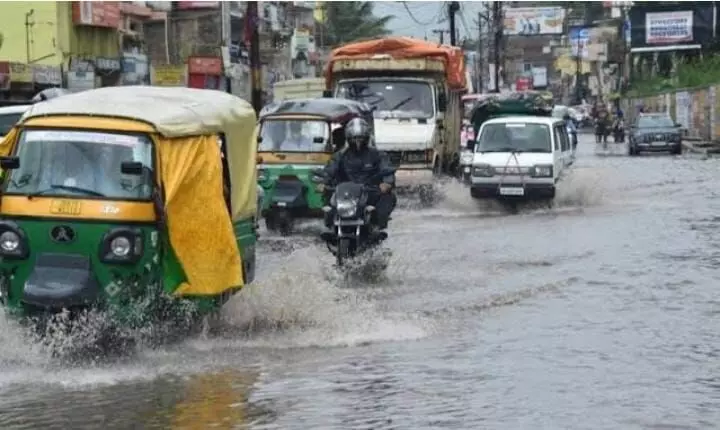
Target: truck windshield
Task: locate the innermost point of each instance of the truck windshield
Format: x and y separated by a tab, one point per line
294	136
392	99
514	137
81	164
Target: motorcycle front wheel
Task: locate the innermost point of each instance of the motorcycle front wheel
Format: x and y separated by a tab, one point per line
343	251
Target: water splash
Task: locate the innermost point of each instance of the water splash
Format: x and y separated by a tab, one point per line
301	304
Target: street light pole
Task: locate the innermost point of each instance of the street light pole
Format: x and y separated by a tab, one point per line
578	71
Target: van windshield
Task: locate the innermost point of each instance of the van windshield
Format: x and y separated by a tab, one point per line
294	135
64	163
392	99
514	137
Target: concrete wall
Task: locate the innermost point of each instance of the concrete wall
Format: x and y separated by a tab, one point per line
697	109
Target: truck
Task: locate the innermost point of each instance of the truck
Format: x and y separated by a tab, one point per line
415	88
293	89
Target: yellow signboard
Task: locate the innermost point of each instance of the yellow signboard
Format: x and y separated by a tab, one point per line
21	73
169	76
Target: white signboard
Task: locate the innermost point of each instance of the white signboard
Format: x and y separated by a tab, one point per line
667	28
539	75
533	21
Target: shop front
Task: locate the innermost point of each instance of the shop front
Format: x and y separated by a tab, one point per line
81	75
45	76
205	73
21	81
108	71
135	69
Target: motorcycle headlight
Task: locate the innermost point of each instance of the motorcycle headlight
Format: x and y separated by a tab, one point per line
466	158
346	208
485	170
542	171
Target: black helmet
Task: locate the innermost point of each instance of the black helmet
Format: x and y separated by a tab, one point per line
566	117
357	133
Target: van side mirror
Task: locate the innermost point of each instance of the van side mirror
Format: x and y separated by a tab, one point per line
678	125
442	102
327	94
470	145
9	163
134	168
259	139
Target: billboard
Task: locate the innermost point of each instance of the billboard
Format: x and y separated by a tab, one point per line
667	28
533	21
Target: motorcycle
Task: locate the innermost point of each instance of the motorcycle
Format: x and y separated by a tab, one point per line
619	132
353	230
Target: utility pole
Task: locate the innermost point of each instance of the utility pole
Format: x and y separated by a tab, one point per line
578	71
479	59
441	32
255	65
452	8
498	30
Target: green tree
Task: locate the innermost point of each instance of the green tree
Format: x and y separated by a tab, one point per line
351	21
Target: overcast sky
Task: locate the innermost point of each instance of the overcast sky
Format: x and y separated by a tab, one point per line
429	15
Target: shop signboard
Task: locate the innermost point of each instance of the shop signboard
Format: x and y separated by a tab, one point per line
47	75
96	13
21	73
168	75
668	28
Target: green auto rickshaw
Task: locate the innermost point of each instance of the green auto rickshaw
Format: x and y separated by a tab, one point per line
295	137
116	196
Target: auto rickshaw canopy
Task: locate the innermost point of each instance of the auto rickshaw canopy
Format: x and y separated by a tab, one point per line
332	109
185	124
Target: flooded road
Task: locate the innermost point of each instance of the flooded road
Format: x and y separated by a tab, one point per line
601	313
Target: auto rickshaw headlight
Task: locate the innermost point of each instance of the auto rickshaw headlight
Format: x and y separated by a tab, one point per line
13	243
122	246
9	241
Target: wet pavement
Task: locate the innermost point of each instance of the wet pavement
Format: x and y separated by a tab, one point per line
600	313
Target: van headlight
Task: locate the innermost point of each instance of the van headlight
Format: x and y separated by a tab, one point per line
484	170
542	171
346	208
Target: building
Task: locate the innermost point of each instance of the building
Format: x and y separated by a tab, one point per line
78	45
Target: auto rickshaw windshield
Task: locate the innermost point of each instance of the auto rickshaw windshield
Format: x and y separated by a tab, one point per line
81	164
294	135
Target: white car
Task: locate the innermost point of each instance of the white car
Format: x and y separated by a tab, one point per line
9	116
520	158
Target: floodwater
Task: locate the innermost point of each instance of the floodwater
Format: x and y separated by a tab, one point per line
601	313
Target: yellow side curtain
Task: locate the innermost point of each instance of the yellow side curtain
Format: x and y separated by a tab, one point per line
200	230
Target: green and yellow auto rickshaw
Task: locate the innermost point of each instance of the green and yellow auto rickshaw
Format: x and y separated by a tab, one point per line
108	192
295	137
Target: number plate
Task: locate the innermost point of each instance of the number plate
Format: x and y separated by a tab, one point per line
659	144
65	207
512	191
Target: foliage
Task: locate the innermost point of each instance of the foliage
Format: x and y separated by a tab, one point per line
352	21
689	75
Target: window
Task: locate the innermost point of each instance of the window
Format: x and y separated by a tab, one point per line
514	136
392	99
655	121
81	164
294	135
7	121
564	139
558	138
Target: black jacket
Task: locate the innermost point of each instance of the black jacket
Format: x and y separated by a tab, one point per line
359	167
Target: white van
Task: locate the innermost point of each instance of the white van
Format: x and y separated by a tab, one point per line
519	158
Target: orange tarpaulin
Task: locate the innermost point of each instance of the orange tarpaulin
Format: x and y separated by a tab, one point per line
404	47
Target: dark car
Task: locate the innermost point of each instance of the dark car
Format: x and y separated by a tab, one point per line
655	133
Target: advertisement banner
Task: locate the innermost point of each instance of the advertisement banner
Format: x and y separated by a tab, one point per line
205	66
168	76
21	73
135	69
667	28
533	21
47	75
96	13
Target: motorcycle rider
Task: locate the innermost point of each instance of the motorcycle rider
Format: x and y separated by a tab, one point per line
358	163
